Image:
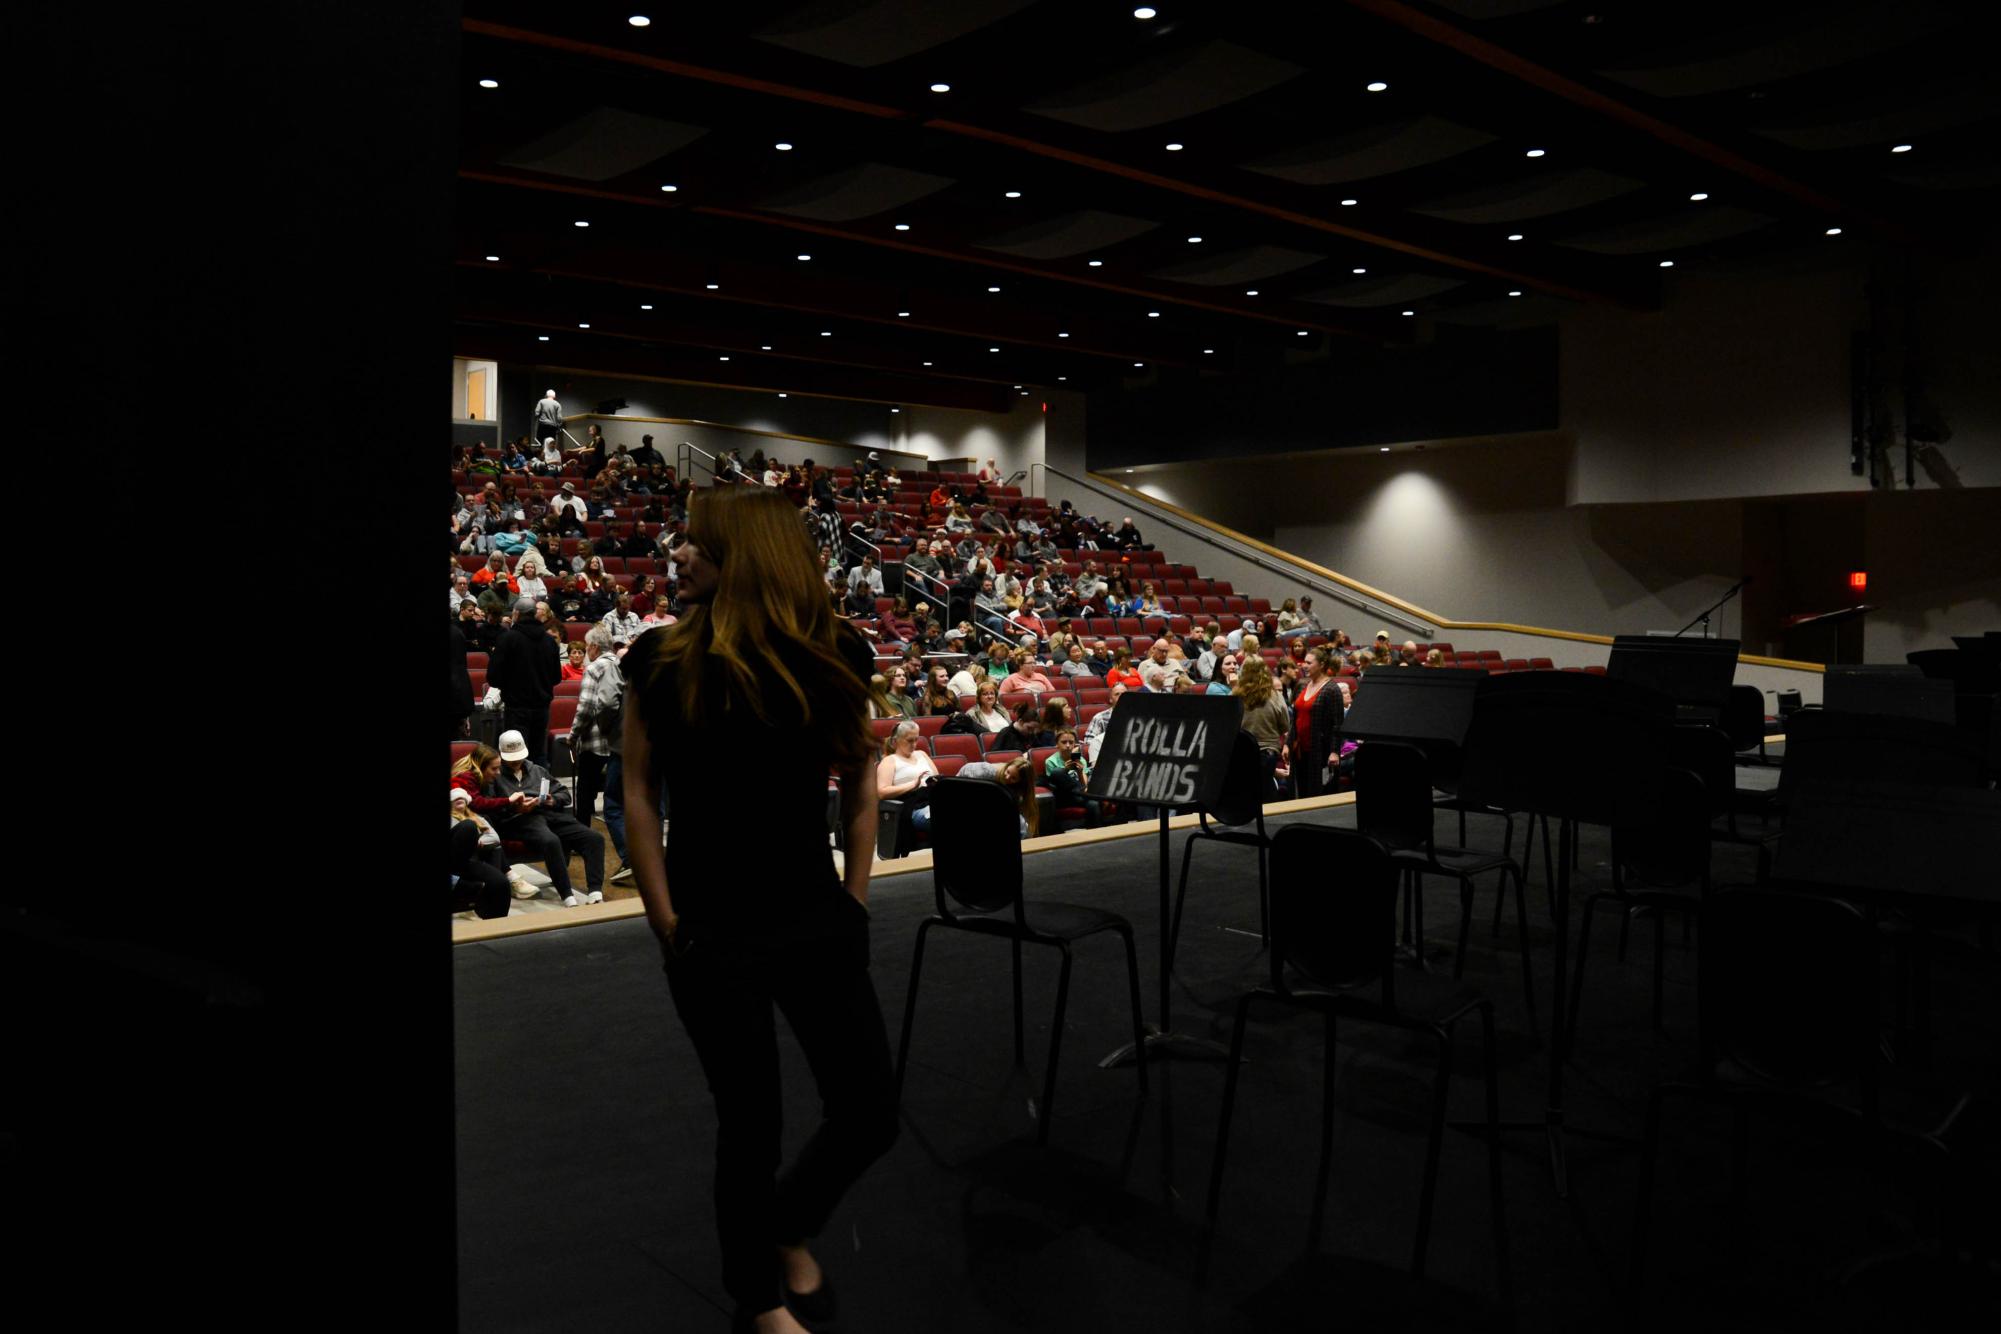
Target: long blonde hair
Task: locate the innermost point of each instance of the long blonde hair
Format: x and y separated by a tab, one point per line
1253	682
769	596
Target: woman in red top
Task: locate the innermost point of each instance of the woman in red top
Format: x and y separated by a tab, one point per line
1315	724
573	662
1123	672
473	774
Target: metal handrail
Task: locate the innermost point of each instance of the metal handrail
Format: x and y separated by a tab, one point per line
1317	583
686	449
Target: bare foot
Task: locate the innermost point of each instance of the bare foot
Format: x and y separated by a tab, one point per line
802	1271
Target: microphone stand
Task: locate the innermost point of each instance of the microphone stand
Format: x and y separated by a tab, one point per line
1703	619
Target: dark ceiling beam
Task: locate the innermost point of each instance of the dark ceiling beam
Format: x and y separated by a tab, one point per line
1634	299
1527	71
706	339
1288	317
618	357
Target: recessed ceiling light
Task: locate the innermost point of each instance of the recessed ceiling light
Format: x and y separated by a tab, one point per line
1128	469
1378	87
1063	335
1514	236
669	189
1698	196
941	87
722	358
645	307
1302	333
903	314
993	349
1901	148
927	363
1153	314
1250	291
826	333
713	287
784	395
493	259
1017	386
1143	12
1014	194
896	409
1361	270
1174	148
640	21
1194	240
993	289
1667	263
1208	351
783	147
489	83
541	338
1350	203
1138	364
1062	377
1382	449
1834	231
1097	263
903	226
583	326
1535	152
804	258
1515	293
582	223
1410	312
764	347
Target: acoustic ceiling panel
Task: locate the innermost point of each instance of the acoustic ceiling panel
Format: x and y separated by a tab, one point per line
1376	151
1891	116
1836	35
1693	226
859	192
602	144
1239	266
1537	195
867	33
1388	290
1168	88
1071	234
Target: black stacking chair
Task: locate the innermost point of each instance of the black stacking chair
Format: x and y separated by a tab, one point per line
1662	866
1393	805
976	871
1744	720
1241	804
1788	997
1711	754
1333	923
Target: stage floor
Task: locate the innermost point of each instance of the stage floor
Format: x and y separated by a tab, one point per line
585	1140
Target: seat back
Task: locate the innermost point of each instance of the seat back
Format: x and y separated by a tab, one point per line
1242	799
1744	717
975	846
1333	907
1393	794
1787	986
1672	847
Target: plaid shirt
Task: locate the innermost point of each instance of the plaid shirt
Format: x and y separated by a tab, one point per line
626	625
600	707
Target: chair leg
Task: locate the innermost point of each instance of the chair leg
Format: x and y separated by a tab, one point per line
1580	954
1264	895
1522	935
1229	1105
1506	1285
1174	919
1056	1047
910	1010
1020	1051
1440	1093
1326	1137
1417	916
1465	926
1139	1027
1548	868
1500	902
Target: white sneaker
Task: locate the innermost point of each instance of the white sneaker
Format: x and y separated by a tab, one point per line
570	902
595	896
522	889
622	873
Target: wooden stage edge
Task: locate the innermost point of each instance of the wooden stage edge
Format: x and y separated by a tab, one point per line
524	924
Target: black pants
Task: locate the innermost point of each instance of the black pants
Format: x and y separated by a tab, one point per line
482	873
532	721
551	837
1306	768
590	783
725	993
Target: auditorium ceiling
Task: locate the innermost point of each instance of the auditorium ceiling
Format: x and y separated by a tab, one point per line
777	196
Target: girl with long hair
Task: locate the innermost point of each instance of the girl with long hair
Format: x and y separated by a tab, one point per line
763	681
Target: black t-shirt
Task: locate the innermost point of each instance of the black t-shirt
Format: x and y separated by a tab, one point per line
747	846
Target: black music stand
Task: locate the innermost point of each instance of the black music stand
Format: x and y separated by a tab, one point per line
1695	673
1169	752
1889	690
1587	750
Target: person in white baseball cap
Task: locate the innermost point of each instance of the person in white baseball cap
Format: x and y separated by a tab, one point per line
540	817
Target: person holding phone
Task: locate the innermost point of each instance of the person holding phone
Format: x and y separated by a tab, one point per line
904	770
538	814
762	681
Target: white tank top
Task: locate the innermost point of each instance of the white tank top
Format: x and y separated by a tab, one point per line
907	771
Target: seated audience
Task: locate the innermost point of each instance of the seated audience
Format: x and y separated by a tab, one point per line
904	771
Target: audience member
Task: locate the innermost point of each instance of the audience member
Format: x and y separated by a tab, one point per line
904	771
597	736
525	668
539	817
479	866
